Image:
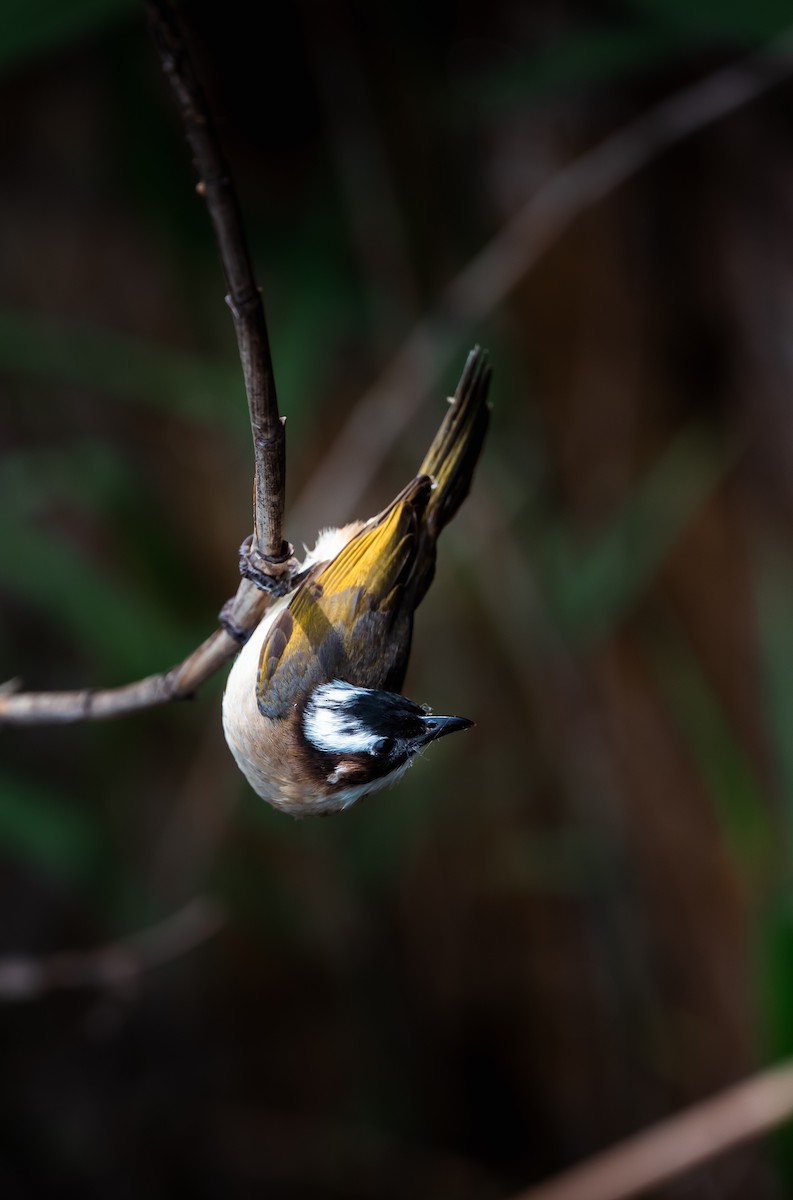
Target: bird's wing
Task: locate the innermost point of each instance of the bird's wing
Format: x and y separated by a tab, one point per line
346	619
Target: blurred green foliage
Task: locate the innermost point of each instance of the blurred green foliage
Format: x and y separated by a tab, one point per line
54	837
31	28
594	587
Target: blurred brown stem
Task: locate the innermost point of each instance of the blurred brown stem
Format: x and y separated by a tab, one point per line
116	964
678	1144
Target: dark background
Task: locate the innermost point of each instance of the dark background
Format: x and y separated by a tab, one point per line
577	918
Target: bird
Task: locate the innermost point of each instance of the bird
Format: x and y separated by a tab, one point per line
312	710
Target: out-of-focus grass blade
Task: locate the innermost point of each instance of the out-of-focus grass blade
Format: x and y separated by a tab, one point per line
732	783
319	310
773	928
85	473
117	622
656	32
48	832
774	592
773	978
565	862
127	632
592	587
717	20
202	390
30	27
602	54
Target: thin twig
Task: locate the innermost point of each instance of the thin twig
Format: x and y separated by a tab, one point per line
116	964
390	404
271	556
180	683
385	411
678	1144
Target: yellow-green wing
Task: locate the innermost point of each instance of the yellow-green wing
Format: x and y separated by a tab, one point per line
346	619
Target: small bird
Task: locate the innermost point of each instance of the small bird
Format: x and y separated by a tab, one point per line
312	711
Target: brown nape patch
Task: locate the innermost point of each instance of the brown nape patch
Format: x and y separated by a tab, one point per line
348	772
273	648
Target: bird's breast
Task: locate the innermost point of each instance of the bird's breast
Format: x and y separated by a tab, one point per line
267	751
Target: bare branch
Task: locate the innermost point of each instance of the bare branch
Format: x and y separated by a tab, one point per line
113	965
266	558
391	403
679	1144
387	408
270	556
241	614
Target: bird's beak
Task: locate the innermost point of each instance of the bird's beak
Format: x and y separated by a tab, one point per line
438	727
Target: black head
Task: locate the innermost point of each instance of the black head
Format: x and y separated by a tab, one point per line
368	737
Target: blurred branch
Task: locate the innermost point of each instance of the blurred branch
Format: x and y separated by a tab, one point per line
116	964
678	1144
269	556
387	408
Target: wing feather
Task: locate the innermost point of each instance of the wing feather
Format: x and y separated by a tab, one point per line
345	620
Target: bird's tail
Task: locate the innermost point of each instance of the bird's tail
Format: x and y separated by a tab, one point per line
454	452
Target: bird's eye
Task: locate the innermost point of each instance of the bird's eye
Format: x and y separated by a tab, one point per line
383	745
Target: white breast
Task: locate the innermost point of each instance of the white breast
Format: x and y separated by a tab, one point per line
242	721
241	717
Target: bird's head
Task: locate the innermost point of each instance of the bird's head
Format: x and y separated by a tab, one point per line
363	740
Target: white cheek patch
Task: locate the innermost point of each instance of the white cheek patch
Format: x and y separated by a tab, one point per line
329	725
